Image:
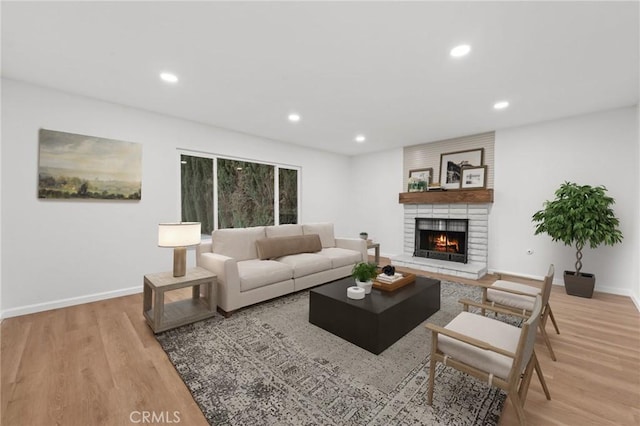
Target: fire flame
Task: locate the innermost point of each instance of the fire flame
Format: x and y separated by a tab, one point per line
442	244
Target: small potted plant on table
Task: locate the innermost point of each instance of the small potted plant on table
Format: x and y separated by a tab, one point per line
579	215
364	273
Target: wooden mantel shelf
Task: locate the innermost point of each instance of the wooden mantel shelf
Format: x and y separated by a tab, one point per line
458	196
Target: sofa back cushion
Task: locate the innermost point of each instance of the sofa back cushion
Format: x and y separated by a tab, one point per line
324	230
238	243
283	230
272	248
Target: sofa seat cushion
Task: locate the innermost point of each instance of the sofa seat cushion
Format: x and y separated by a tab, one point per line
256	273
304	264
272	248
283	230
341	257
239	243
510	299
496	333
324	230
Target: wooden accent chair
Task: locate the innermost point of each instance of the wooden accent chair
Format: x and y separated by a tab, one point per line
519	298
496	352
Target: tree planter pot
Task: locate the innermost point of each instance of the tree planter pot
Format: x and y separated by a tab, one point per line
579	285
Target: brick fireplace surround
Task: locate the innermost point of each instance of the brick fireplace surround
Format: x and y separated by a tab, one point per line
478	215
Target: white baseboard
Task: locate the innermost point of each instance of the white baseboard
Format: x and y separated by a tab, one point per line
521	275
636	301
63	303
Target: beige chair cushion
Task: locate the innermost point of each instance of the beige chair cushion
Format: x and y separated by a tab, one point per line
283	230
272	248
514	300
238	243
256	273
341	257
325	230
304	264
496	333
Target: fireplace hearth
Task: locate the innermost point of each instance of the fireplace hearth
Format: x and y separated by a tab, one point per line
443	239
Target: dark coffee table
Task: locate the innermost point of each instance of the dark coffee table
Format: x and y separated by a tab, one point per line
380	319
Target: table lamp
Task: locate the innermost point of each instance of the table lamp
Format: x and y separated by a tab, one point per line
179	236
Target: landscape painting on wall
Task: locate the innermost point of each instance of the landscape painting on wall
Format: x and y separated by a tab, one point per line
84	167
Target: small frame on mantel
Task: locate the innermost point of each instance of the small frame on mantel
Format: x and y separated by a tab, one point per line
474	177
425	175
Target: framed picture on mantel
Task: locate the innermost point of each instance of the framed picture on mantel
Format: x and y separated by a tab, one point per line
425	175
452	163
474	177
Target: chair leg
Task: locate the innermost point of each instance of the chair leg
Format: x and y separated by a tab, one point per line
432	373
517	404
545	336
432	366
523	389
553	320
484	301
541	377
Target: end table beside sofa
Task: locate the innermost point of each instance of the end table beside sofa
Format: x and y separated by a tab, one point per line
163	316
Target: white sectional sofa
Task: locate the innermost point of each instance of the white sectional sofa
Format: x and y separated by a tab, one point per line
260	263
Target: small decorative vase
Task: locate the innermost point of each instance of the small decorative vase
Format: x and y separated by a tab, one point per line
366	285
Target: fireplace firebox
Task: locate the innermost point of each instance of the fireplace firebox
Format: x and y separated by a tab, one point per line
444	239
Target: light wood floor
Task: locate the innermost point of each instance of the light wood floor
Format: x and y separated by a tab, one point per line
99	364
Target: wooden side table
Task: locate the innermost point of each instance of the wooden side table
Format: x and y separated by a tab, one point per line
161	317
376	246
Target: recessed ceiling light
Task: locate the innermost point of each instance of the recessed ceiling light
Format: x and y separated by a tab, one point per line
294	117
461	50
168	77
360	138
500	105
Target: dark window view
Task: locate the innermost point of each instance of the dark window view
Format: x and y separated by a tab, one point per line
197	191
245	194
288	188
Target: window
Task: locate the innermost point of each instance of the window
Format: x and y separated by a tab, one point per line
230	193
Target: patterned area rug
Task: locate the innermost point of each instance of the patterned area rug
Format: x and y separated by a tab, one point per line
267	365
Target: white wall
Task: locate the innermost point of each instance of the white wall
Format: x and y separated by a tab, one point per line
1	244
56	253
376	181
531	163
636	295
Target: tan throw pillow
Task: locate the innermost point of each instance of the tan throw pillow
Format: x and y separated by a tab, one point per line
272	248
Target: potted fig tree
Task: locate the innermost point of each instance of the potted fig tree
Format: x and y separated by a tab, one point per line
580	215
364	273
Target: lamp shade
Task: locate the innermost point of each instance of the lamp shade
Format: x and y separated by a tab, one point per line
181	234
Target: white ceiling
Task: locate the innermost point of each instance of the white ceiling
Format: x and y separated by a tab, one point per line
378	68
